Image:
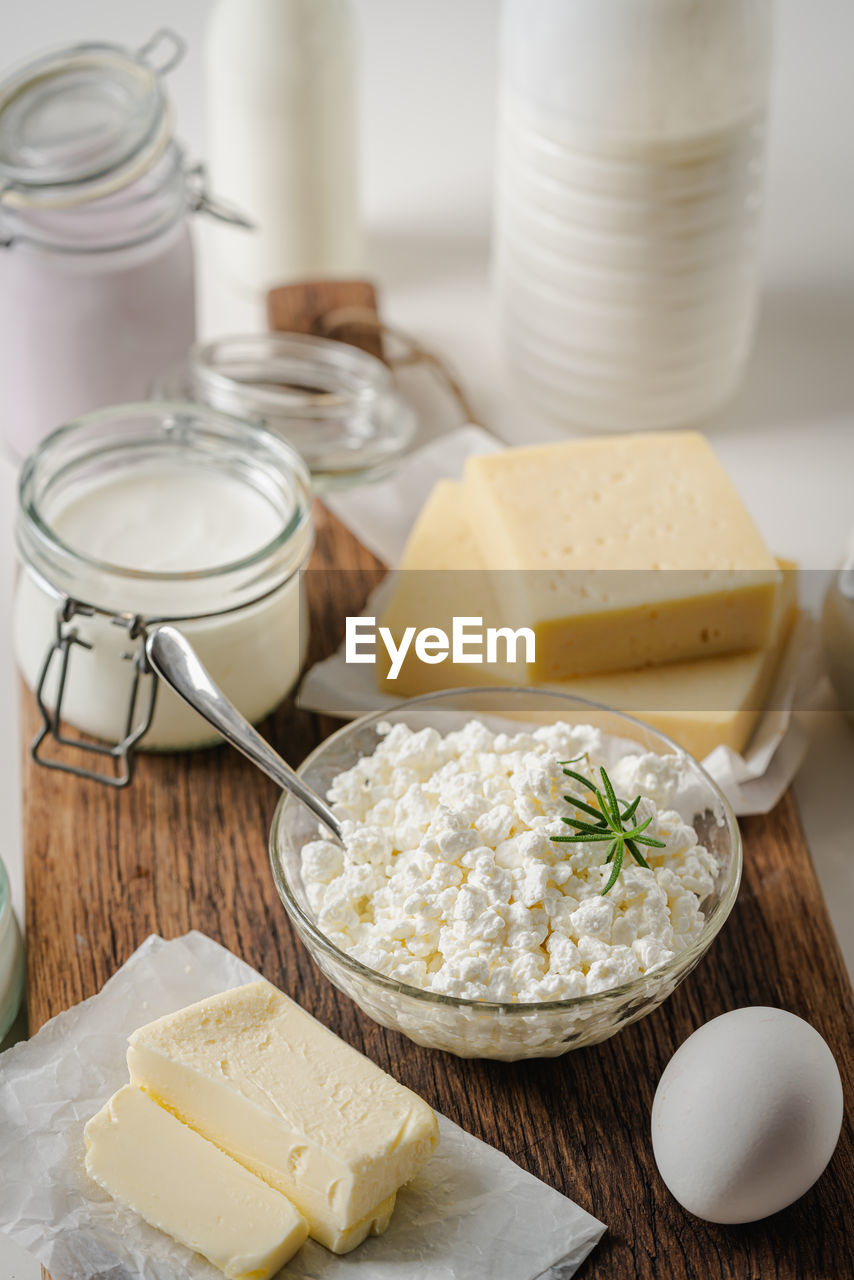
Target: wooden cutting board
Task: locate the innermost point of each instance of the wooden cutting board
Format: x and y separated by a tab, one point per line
185	848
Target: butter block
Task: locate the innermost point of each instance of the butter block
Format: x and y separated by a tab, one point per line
374	1224
180	1183
627	552
254	1073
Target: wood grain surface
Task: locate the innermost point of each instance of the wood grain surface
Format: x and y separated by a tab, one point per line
328	308
185	848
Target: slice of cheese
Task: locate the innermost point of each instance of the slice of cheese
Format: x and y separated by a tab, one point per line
257	1075
624	552
702	703
183	1185
441	576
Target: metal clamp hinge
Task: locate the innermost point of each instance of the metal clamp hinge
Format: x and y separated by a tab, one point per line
65	640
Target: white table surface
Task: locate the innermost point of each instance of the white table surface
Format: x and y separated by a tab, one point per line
427	121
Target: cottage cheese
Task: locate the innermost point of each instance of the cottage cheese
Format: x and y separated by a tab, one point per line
448	879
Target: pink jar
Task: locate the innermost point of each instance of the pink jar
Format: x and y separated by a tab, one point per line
96	263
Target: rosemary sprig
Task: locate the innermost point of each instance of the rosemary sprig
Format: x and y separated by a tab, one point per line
608	826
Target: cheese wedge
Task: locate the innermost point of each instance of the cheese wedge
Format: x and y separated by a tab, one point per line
702	704
183	1185
257	1075
442	576
626	552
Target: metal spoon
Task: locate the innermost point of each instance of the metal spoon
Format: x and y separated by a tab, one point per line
175	660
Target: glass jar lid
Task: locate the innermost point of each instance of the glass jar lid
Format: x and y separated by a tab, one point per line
84	121
336	404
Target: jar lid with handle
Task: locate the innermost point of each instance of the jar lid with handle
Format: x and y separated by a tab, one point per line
87	121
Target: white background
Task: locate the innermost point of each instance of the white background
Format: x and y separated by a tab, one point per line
428	79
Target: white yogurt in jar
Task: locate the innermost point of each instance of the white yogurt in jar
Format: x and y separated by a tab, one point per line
196	526
168	519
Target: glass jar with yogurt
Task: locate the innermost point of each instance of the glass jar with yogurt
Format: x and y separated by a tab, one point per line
144	513
96	264
627	204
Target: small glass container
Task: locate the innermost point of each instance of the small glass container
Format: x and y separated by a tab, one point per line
478	1028
11	958
148	513
336	404
97	290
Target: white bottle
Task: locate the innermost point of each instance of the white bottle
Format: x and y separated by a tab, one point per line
281	110
627	208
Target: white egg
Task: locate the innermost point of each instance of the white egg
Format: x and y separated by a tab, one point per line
746	1115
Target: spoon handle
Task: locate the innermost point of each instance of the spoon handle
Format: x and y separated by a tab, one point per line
175	660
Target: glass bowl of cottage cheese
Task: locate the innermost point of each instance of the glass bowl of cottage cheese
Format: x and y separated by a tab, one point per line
457	912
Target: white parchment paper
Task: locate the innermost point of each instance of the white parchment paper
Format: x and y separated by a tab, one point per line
470	1212
381	517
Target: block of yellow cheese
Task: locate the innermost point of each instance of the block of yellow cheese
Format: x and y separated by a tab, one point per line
701	703
442	576
254	1073
183	1185
621	552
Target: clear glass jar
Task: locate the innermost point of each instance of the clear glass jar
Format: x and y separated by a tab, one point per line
627	204
336	404
97	289
11	958
149	513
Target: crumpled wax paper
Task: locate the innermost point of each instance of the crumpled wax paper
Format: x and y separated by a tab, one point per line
381	517
470	1212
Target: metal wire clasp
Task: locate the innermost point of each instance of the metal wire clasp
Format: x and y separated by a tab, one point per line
200	200
65	639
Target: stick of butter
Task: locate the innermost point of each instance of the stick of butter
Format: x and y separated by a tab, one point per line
626	552
254	1073
183	1185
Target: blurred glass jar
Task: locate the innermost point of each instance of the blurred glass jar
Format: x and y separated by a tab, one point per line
627	204
337	405
837	626
97	290
11	958
148	513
